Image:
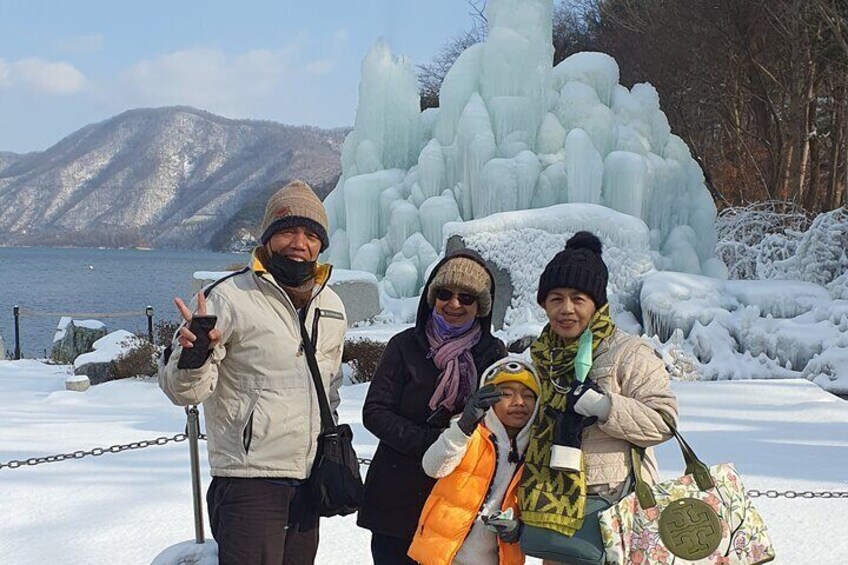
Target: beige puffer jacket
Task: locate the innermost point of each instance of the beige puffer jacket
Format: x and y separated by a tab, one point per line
260	406
629	370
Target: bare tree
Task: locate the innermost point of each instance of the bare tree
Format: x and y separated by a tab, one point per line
573	21
756	87
432	74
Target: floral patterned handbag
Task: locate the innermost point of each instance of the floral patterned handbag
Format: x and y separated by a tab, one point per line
701	518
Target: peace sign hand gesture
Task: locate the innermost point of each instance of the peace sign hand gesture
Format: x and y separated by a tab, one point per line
197	336
188	338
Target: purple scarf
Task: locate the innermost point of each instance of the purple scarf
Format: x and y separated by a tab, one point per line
450	348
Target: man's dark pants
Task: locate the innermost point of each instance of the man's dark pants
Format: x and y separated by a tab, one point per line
261	522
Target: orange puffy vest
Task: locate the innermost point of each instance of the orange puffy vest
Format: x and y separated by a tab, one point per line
452	507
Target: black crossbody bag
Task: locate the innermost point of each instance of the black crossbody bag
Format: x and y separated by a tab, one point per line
335	484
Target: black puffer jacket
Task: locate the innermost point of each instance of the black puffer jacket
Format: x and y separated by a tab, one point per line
397	410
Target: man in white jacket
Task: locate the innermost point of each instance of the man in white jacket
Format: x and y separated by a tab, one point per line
259	399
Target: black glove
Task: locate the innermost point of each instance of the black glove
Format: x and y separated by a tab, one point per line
506	528
475	409
568	430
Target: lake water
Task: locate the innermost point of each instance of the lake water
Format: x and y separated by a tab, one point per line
95	281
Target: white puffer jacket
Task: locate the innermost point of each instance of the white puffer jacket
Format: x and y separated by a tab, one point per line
260	406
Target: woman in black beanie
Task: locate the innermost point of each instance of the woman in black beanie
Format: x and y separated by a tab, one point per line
581	437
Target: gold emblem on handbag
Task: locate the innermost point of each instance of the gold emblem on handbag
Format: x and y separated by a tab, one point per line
704	517
690	528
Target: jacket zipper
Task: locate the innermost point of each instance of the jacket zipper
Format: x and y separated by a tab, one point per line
314	337
287	300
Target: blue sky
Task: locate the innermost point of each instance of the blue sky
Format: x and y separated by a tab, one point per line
67	64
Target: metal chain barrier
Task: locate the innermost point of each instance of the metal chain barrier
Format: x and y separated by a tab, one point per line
754	493
98	451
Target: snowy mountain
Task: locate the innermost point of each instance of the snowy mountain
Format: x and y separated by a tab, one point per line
166	177
7	159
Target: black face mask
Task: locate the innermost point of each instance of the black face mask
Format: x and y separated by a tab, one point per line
288	272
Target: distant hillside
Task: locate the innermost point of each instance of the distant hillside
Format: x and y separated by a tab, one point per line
166	177
6	159
240	232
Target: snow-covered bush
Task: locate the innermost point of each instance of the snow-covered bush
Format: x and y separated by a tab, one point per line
751	239
762	241
749	329
821	253
362	355
138	359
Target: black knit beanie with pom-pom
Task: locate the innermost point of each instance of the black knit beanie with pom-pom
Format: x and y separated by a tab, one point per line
578	266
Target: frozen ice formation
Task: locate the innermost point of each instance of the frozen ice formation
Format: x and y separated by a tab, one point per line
512	133
751	329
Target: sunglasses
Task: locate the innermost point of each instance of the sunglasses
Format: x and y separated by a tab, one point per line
464	298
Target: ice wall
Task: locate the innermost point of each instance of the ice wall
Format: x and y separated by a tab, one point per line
511	133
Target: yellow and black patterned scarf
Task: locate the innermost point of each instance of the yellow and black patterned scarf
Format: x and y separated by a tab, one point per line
548	498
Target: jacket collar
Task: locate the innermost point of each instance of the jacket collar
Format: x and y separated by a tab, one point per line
260	255
322	276
496	427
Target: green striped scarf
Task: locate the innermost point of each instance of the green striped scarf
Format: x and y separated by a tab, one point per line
548	498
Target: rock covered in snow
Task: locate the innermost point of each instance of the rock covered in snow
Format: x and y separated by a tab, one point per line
77	383
519	245
75	337
359	293
97	364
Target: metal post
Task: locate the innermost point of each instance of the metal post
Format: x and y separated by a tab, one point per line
149	312
17	311
193	438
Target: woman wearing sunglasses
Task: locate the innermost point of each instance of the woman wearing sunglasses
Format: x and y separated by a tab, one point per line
425	376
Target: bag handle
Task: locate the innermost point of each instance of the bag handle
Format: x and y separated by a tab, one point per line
694	466
328	425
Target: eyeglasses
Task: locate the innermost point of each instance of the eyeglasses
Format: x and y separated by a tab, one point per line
464	298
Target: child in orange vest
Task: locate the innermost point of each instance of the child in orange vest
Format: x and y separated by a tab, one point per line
471	516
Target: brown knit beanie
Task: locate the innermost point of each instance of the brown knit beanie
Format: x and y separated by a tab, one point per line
295	205
468	275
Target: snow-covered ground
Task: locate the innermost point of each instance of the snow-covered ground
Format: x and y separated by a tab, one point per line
127	508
